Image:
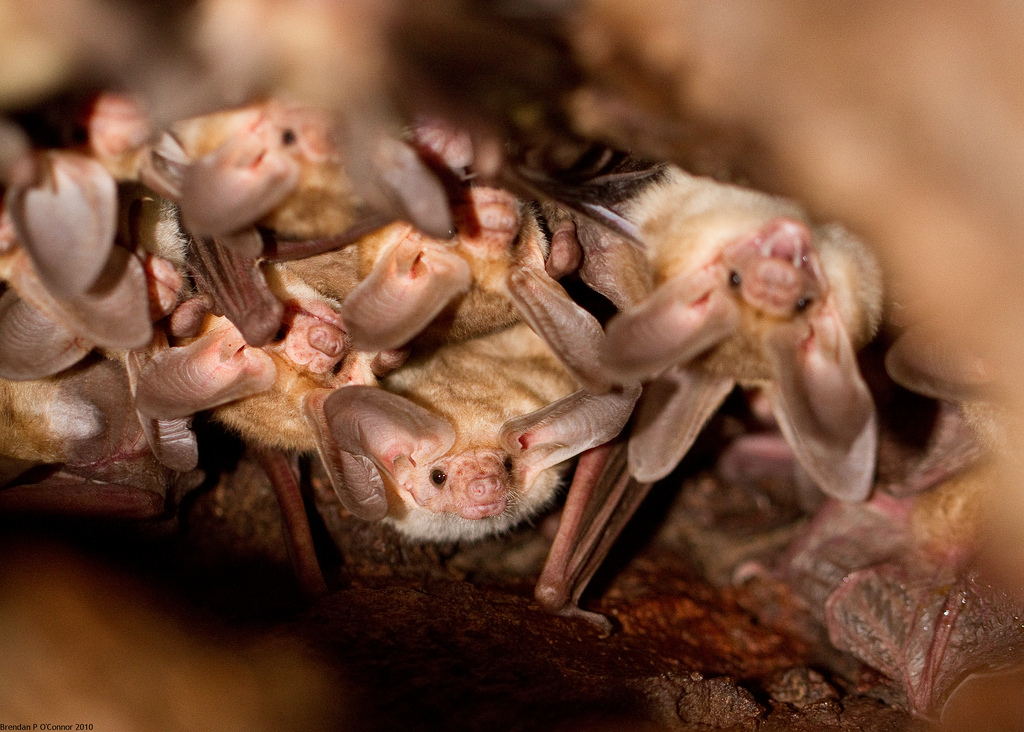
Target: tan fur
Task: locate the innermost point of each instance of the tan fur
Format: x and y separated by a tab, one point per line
477	386
684	222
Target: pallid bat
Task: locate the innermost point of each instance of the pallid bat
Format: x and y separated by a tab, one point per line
500	268
73	444
747	292
464	442
280	165
262	393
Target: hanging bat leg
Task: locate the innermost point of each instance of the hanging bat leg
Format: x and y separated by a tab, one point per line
281	470
601	500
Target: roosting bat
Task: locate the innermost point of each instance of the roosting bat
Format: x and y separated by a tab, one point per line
747	292
281	165
499	269
464	442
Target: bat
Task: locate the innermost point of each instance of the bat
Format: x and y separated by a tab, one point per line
281	165
72	444
746	292
264	394
422	292
465	442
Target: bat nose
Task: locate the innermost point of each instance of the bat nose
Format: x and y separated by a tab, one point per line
774	286
786	239
485	488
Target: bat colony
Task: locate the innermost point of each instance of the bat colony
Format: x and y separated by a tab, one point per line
394	307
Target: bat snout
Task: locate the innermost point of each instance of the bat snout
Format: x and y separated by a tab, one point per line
774	286
481	497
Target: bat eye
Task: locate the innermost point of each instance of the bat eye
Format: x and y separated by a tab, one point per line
288	137
802	304
508	465
438	477
735	279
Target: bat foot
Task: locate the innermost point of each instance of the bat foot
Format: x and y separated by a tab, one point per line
604	625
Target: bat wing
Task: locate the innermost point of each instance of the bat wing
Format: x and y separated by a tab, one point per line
408	287
566	428
684	317
672	412
370	429
238	286
66	221
33	345
215	369
572	334
823	406
925	628
409	190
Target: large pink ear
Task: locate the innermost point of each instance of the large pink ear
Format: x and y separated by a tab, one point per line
355	478
566	428
407	288
172	441
613	265
32	345
390	175
212	370
385	427
684	317
64	209
823	405
238	183
674	409
112	313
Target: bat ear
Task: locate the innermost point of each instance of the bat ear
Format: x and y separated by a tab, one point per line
614	265
213	370
64	209
163	167
674	409
32	345
384	427
823	405
172	441
924	364
566	428
407	288
113	313
682	318
237	184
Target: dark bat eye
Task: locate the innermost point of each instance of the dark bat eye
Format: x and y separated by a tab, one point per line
734	278
802	304
288	137
508	464
438	477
